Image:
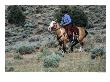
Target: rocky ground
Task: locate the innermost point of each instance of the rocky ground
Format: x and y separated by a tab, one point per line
35	34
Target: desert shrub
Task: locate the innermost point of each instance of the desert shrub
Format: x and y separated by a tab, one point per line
52	44
15	15
92	33
34	39
35	45
9	34
45	52
98	39
24	47
28	24
59	53
78	16
51	60
9	69
104	39
8	49
89	24
40	56
97	52
39	9
7	62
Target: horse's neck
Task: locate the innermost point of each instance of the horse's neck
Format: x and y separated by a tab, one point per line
58	31
58	26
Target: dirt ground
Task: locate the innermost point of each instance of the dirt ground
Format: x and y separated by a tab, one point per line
71	62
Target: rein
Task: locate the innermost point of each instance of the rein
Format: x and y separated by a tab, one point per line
59	37
59	28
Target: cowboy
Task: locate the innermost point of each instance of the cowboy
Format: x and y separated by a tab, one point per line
66	23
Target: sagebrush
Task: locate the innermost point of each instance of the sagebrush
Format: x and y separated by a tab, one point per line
15	15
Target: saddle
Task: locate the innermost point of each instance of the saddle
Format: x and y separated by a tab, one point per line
73	29
70	29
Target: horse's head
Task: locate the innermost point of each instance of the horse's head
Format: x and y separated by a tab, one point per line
52	26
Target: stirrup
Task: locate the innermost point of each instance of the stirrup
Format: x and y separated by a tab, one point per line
73	42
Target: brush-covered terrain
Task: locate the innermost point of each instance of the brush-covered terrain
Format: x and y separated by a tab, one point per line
30	47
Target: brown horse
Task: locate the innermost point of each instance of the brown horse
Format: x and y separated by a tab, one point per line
63	38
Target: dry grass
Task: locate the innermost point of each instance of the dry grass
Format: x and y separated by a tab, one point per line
72	62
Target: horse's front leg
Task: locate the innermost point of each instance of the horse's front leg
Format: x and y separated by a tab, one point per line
64	47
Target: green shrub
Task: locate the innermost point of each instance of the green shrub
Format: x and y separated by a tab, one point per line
98	39
8	62
46	51
28	24
25	49
8	49
40	56
97	52
51	60
43	54
9	69
78	16
15	15
92	33
59	53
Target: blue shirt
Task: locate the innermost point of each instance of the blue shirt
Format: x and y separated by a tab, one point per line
66	19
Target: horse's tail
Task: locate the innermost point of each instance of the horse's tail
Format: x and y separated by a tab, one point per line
86	33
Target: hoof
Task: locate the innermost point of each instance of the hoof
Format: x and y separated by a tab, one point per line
70	51
81	49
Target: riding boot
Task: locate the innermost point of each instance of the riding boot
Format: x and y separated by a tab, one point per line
72	39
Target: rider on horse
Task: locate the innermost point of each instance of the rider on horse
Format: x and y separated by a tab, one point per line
66	23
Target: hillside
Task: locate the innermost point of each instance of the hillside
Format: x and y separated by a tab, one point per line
36	36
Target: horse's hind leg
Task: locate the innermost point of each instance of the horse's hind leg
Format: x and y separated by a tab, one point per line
81	47
73	45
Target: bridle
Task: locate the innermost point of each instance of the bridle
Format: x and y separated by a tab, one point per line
56	28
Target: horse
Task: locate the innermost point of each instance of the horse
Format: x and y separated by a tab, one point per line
62	36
